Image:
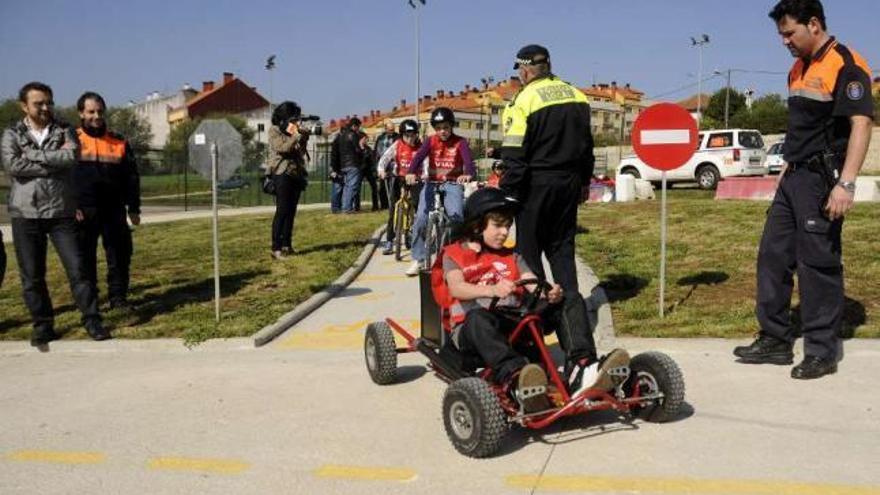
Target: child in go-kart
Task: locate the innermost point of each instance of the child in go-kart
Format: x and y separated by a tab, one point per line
478	269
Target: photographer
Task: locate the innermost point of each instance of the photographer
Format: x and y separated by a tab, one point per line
287	156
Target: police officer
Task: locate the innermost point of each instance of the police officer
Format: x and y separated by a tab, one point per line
548	152
107	182
829	127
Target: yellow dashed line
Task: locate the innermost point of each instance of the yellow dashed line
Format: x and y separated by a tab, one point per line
57	457
220	466
365	473
682	485
373	296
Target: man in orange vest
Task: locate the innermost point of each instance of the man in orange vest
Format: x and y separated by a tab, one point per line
107	182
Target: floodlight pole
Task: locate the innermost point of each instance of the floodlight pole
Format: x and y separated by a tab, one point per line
415	7
214	165
700	43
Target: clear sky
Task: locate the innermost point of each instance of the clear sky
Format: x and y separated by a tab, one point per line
337	57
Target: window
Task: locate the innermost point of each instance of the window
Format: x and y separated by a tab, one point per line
699	140
750	139
494	127
720	140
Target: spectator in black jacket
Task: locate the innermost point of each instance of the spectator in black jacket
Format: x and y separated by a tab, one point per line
351	148
107	182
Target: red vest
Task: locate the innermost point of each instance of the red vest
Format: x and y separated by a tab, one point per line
483	268
404	156
445	161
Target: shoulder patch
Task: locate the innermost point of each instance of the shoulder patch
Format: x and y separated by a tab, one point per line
855	90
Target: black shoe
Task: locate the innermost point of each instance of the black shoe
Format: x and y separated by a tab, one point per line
40	338
97	331
813	367
765	350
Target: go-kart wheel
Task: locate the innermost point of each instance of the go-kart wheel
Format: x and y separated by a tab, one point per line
472	415
652	373
380	353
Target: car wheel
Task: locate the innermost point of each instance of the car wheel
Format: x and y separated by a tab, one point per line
708	177
656	374
380	353
632	171
474	420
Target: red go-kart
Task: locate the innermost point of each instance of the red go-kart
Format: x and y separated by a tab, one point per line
477	413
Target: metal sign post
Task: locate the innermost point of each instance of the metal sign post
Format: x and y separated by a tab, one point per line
664	137
215	151
214	159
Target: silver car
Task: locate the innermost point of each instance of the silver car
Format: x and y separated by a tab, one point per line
774	160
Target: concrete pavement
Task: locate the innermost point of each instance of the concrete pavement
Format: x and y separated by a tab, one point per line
302	416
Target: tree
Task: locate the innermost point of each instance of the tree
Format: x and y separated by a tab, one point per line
135	129
715	109
768	114
10	112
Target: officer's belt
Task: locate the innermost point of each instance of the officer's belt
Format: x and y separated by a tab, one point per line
814	163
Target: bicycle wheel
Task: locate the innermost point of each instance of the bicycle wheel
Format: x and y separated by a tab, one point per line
431	237
399	230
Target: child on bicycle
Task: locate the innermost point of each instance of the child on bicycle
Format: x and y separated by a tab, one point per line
450	166
479	269
393	167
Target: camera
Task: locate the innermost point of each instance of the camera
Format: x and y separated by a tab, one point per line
309	124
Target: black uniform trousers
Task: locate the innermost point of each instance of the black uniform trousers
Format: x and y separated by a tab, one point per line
31	236
288	190
107	222
547	225
798	238
485	333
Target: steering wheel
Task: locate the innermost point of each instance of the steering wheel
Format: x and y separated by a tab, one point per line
530	299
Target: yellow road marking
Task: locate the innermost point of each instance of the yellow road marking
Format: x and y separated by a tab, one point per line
221	466
365	473
58	457
341	337
683	485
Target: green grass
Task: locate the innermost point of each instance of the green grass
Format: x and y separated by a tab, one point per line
172	277
711	257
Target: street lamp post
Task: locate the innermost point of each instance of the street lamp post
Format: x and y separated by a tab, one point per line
415	8
700	43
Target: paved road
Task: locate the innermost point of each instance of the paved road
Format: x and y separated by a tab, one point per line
302	416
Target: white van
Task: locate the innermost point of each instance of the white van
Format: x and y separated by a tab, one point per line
720	153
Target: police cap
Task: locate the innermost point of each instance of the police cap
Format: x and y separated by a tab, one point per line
530	55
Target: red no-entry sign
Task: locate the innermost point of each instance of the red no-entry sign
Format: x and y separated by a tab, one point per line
665	136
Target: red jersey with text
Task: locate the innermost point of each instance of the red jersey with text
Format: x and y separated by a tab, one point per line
404	157
445	161
484	267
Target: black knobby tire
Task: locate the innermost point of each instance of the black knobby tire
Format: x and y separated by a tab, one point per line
474	420
652	372
708	177
399	234
380	353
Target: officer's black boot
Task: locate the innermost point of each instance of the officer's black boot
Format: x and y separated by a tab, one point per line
813	367
765	350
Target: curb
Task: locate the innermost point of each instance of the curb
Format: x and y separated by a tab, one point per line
270	332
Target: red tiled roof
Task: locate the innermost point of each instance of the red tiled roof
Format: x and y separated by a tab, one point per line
232	97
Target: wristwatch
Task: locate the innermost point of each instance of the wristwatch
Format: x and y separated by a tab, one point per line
848	186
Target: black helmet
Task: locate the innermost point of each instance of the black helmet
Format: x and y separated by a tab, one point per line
442	114
408	125
485	200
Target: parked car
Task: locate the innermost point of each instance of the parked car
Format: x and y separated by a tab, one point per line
720	153
774	160
232	183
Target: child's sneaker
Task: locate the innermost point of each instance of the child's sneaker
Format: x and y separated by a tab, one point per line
610	371
531	389
389	248
413	268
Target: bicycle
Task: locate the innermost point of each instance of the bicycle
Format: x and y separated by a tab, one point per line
403	220
437	231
